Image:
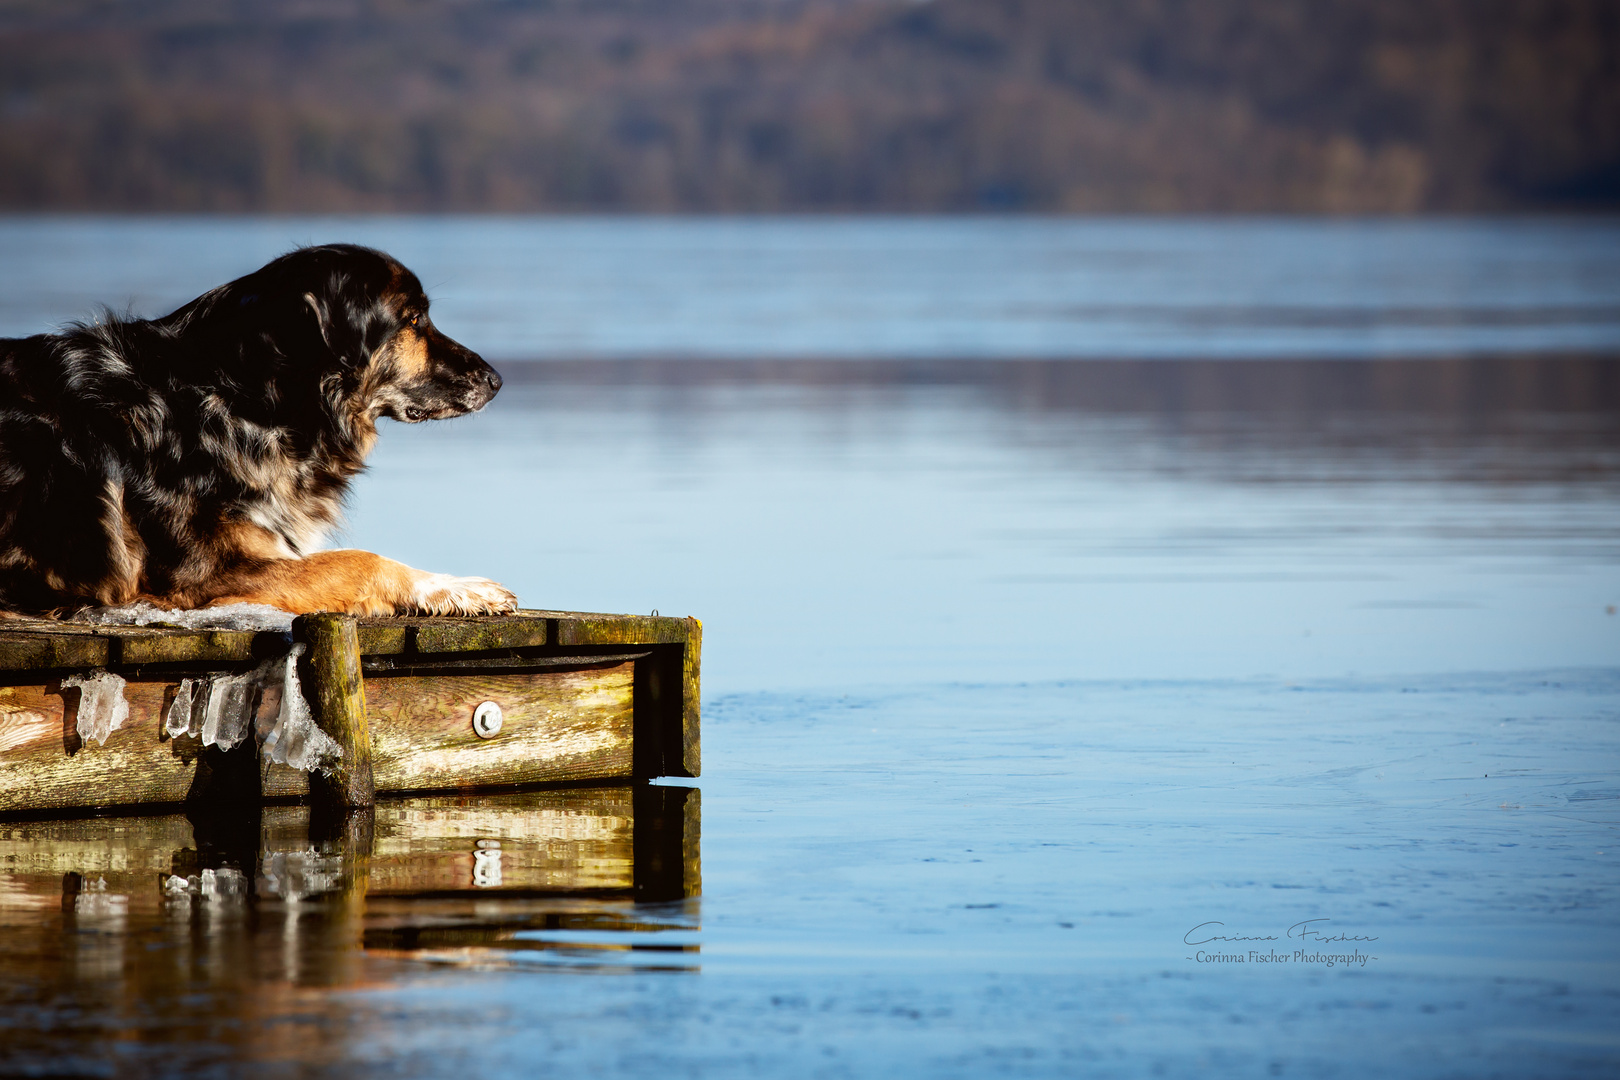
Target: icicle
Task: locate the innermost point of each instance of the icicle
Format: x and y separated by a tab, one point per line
266	703
295	740
102	708
230	704
182	717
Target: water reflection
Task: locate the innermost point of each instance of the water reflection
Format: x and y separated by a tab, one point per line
197	931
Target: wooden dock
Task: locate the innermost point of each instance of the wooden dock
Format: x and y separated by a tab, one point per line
415	705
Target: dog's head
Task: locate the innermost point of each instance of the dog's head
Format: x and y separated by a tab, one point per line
358	321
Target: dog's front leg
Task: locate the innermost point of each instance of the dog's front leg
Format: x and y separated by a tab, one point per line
359	583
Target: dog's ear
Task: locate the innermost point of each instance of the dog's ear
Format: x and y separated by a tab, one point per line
321	309
343	321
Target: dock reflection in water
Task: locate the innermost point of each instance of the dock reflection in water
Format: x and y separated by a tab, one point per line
212	934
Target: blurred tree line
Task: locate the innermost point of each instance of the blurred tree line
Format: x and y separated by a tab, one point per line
763	105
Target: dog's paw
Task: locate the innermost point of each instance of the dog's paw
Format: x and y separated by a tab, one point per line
443	594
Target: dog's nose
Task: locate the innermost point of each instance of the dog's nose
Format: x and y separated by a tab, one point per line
494	381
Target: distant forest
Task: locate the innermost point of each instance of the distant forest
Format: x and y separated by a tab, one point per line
823	105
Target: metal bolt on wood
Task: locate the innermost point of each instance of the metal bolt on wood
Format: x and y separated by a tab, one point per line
487	720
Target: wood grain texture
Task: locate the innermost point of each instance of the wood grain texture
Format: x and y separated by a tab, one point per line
45	644
134	766
691	763
330	673
283	781
383	637
564	725
35	651
471	635
147	646
582	628
525	629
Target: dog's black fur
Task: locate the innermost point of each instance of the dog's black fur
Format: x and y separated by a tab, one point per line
199	458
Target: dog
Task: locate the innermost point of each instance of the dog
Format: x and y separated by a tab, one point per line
199	459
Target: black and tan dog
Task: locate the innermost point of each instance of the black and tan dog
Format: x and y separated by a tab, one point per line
199	459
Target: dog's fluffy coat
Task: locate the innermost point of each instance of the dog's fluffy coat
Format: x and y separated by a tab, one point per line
200	458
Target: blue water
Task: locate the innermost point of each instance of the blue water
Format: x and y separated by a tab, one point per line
898	535
1001	880
1013	674
522	288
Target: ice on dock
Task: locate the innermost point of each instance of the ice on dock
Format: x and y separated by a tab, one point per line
267	703
228	709
102	706
292	738
221	710
256	617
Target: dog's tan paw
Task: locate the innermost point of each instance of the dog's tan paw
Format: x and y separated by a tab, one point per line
443	594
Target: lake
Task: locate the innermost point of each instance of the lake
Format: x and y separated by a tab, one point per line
863	288
1110	626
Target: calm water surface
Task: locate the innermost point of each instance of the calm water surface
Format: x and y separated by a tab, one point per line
1016	673
520	288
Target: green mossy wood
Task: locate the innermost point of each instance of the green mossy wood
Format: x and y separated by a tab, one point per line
585	697
329	672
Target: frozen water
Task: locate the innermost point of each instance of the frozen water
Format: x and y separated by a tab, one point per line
222	709
230	701
183	718
102	707
268	702
294	739
259	617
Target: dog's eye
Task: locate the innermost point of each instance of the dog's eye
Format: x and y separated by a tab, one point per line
415	319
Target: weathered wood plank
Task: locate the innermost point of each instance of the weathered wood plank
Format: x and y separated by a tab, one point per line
568	725
525	629
330	673
27	624
582	628
135	766
45	651
589	712
473	635
282	781
37	644
437	665
691	763
184	646
382	637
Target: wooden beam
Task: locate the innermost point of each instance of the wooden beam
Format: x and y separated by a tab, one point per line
44	652
557	725
590	696
43	764
184	646
329	672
